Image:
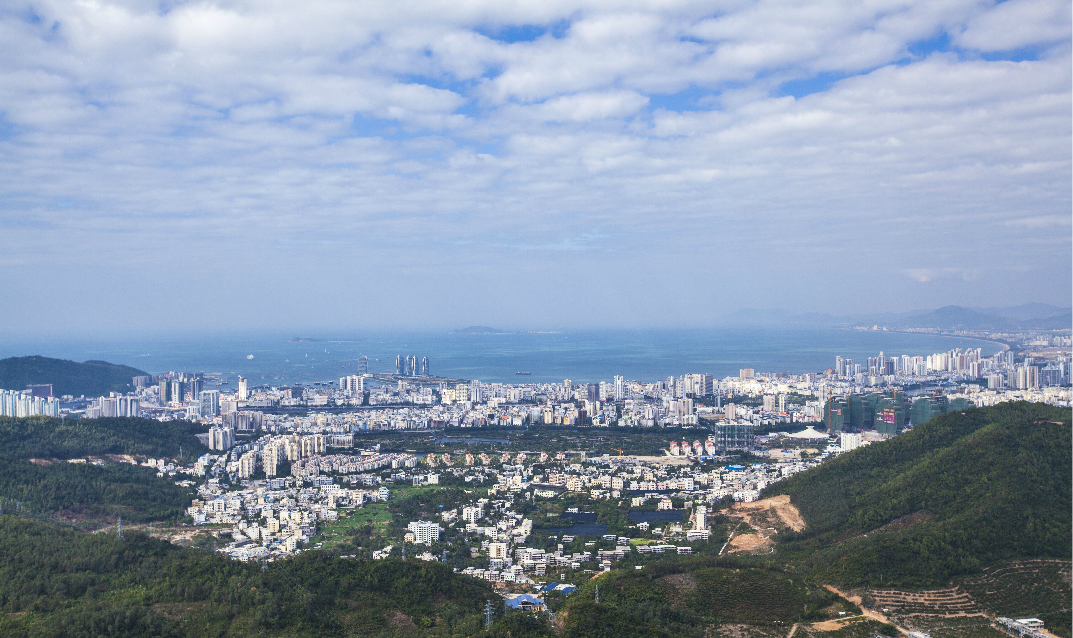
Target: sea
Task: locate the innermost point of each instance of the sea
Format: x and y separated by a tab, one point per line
581	356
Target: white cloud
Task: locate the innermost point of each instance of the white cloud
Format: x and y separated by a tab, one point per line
1017	23
420	133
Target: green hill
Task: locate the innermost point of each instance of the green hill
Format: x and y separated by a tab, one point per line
85	494
961	492
59	582
92	378
47	437
690	597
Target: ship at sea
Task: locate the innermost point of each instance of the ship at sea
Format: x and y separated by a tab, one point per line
524	374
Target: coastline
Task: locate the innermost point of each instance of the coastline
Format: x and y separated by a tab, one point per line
1005	346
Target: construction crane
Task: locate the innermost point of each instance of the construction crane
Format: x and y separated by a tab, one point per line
615	449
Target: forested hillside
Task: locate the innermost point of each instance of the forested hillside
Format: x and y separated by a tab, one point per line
89	495
86	494
960	492
46	437
92	378
59	582
688	597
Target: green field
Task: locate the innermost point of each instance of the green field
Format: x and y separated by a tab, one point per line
346	529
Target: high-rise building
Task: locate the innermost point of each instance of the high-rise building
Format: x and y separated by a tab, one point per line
363	364
592	391
178	389
354	385
243	389
424	532
412	366
270	459
221	438
247	464
849	441
747	373
1027	377
424	366
40	390
210	403
700	512
735	436
243	421
400	365
620	388
730	411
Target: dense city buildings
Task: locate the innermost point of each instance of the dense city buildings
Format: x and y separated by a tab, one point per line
286	461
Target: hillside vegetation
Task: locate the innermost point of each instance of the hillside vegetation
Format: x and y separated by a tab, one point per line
59	582
86	494
47	437
686	597
963	491
92	378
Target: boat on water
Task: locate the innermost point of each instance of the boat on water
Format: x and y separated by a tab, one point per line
524	374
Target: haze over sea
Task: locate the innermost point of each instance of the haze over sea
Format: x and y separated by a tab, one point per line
643	355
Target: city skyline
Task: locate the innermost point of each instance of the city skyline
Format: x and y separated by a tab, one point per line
573	164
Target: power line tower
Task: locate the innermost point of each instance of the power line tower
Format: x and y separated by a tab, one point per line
487	615
597	600
119	529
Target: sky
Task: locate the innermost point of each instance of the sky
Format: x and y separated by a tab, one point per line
251	165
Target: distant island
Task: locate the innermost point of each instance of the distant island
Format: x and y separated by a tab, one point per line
485	330
479	330
312	340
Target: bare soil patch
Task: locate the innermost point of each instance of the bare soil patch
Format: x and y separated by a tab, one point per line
747	542
784	511
399	620
176	611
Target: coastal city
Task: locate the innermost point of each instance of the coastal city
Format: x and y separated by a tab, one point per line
292	469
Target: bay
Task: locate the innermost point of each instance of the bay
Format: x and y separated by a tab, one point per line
581	356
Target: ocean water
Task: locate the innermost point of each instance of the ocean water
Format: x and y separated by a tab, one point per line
583	356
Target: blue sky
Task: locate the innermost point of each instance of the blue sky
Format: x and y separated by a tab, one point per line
230	165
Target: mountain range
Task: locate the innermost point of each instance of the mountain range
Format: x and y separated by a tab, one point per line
1031	316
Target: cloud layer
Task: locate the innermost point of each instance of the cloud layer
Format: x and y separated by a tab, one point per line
528	163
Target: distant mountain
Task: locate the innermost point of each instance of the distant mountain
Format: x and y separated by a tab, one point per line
1060	321
479	330
956	317
92	378
1033	316
958	493
1025	312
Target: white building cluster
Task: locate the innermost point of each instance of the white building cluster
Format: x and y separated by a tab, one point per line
22	403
